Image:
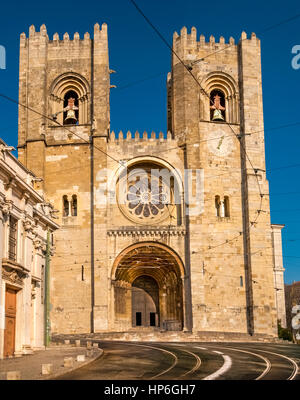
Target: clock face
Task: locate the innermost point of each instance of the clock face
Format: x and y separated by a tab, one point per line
220	143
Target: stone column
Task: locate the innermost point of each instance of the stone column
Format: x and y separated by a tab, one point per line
184	305
26	322
37	335
163	306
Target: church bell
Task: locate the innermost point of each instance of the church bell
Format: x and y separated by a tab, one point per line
71	117
217	116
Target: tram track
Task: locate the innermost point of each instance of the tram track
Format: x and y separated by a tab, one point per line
192	361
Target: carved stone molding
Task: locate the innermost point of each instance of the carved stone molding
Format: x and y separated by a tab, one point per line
28	225
146	232
26	197
6	206
121	284
13	275
33	291
10	183
38	244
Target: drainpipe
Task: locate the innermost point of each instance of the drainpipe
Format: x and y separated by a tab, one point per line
47	294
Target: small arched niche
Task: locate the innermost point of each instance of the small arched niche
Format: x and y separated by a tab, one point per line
65	87
223	85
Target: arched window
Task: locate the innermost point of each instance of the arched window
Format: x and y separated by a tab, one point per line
222	207
71	109
70	85
221	84
218	206
217	105
70	207
65	206
74	206
226	207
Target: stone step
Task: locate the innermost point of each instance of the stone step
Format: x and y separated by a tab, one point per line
167	336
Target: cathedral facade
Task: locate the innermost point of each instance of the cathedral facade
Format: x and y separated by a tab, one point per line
169	231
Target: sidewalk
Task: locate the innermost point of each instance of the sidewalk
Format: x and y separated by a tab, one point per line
30	366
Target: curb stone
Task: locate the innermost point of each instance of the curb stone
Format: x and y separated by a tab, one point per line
83	364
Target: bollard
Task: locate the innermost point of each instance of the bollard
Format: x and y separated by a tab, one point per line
68	362
47	369
77	343
81	358
13	375
89	353
67	341
3	376
88	344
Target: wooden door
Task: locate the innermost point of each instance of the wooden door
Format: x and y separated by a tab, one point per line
10	322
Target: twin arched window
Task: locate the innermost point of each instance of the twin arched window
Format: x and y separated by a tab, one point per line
70	206
222	207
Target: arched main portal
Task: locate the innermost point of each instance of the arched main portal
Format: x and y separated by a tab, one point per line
147	280
145	302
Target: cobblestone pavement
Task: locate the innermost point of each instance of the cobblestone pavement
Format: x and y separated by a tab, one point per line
30	366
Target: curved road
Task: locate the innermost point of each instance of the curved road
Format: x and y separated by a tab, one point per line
192	361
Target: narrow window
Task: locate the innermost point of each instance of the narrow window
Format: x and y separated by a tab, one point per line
241	281
152	319
12	240
65	206
217	105
74	206
138	319
226	207
217	206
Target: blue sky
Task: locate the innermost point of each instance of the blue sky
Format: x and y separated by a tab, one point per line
137	54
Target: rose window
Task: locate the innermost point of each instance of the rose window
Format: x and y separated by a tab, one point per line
146	201
145	196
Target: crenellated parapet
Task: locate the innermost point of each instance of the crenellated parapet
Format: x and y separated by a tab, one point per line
187	44
100	35
127	145
137	136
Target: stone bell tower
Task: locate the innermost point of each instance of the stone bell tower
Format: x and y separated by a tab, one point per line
49	70
231	242
59	79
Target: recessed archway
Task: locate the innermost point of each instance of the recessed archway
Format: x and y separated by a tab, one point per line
152	274
145	302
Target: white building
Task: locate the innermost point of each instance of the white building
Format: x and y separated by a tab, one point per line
26	227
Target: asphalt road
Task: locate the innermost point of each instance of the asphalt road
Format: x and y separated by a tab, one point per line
192	361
